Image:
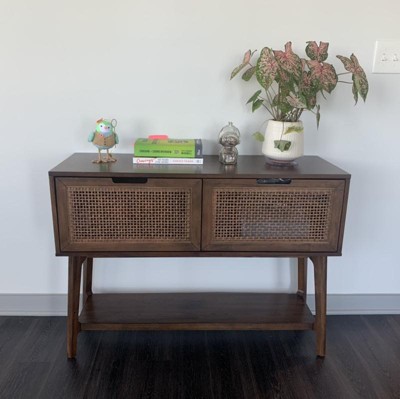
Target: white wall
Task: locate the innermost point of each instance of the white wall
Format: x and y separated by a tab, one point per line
163	66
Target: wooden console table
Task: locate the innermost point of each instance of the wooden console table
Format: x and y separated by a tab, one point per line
210	210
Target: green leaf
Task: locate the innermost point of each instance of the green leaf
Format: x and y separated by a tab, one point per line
282	105
249	74
294	129
355	92
257	104
254	97
237	70
258	136
282	145
318	115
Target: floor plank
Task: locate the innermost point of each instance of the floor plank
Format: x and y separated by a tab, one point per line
363	361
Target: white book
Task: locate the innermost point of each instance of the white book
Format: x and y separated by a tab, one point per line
168	161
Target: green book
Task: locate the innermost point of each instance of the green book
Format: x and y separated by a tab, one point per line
173	148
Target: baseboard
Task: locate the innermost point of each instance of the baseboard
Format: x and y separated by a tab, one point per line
33	304
359	304
56	304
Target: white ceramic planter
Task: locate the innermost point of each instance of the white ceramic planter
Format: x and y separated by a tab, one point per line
283	141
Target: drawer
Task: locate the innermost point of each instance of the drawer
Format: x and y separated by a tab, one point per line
128	214
254	215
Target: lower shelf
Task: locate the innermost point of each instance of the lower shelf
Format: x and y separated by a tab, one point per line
196	311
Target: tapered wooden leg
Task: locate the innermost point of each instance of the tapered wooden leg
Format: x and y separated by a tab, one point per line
302	278
320	279
87	278
74	285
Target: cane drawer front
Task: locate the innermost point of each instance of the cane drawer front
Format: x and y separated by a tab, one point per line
250	215
106	214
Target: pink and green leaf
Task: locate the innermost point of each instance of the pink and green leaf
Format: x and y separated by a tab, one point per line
245	62
360	78
317	53
280	102
296	101
360	81
299	81
289	61
348	64
306	83
360	86
267	68
309	88
323	75
247	56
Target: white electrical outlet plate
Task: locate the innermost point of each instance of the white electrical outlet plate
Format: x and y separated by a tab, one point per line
387	56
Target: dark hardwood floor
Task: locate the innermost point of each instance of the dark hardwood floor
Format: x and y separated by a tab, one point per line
363	361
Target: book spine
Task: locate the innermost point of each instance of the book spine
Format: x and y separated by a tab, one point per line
169	148
168	161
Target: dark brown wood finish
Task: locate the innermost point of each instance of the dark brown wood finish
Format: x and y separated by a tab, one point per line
248	166
54	211
363	362
343	214
196	311
74	284
330	244
123	211
311	231
320	281
302	278
87	278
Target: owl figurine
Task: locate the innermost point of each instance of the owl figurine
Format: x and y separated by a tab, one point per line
104	138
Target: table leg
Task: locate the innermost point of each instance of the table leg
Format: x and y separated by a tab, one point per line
302	278
74	285
320	280
87	278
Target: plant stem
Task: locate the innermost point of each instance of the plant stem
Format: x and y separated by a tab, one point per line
343	73
270	99
283	129
269	111
342	81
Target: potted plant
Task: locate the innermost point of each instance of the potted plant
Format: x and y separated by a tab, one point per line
291	85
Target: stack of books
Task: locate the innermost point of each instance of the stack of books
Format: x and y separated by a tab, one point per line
168	151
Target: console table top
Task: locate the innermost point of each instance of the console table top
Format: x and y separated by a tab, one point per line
248	166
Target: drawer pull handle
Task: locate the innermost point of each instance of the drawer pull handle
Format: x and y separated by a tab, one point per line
130	180
274	180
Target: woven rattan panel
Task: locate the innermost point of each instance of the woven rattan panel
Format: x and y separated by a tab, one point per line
296	214
98	214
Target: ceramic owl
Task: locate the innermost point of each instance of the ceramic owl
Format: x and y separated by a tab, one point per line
104	138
